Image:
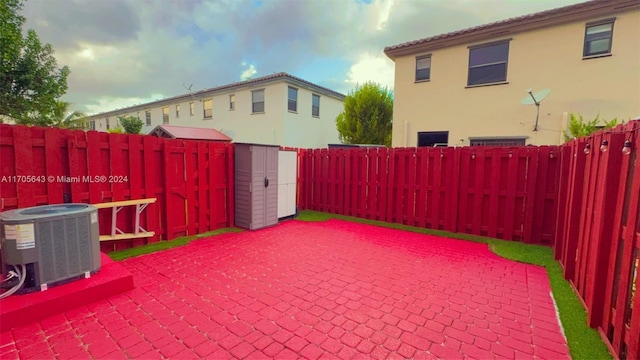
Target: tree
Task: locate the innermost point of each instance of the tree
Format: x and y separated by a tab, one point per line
367	117
130	124
30	80
63	118
577	127
116	130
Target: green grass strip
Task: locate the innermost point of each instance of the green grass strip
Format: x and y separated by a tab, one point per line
164	245
584	342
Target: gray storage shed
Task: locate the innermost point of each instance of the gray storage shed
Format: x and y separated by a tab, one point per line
256	185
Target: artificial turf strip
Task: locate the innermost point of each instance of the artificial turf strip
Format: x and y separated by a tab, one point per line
584	342
163	245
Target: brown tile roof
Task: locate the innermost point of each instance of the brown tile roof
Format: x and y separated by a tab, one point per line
190	133
239	84
271	77
588	9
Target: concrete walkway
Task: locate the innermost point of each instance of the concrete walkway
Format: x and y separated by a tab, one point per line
315	290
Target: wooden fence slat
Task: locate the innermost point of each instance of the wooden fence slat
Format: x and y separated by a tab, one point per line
94	167
604	211
53	145
494	194
540	194
152	173
24	166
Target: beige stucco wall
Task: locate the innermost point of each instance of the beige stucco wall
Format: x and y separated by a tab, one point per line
547	58
301	129
275	126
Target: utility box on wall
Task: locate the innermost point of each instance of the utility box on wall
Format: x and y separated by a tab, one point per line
256	185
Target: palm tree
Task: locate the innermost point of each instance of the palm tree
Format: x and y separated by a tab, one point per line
63	118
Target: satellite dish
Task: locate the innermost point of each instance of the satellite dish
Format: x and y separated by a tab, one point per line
535	99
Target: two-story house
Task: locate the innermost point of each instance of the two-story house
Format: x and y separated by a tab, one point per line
278	109
467	87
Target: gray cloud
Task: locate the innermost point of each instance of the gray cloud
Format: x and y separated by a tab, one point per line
65	22
126	49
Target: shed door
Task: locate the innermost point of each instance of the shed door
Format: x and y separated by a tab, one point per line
258	189
264	186
271	195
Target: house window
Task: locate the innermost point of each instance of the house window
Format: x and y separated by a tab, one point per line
292	104
177	111
315	105
597	38
433	138
165	115
208	108
423	68
92	125
257	101
192	108
488	63
498	141
147	115
138	115
232	102
108	127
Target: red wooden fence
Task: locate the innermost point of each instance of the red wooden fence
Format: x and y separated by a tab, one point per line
507	193
598	232
587	206
192	181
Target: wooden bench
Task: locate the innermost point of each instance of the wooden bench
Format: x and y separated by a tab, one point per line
116	206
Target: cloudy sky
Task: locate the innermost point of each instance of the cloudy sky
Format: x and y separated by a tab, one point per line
124	52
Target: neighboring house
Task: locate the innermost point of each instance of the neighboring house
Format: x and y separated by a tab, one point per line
278	109
466	87
189	133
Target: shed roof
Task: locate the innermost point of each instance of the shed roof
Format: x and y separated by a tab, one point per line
189	133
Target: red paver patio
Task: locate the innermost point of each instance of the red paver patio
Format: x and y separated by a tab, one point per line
316	290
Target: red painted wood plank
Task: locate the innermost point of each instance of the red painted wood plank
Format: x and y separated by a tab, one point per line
453	192
390	184
482	157
53	147
630	251
613	273
95	167
411	184
531	188
153	180
494	193
398	185
604	210
383	190
437	155
230	180
510	195
74	153
564	154
575	207
169	175
204	187
191	171
422	161
540	194
362	183
116	164
23	153
584	246
467	163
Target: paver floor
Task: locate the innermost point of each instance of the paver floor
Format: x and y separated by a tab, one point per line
314	290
